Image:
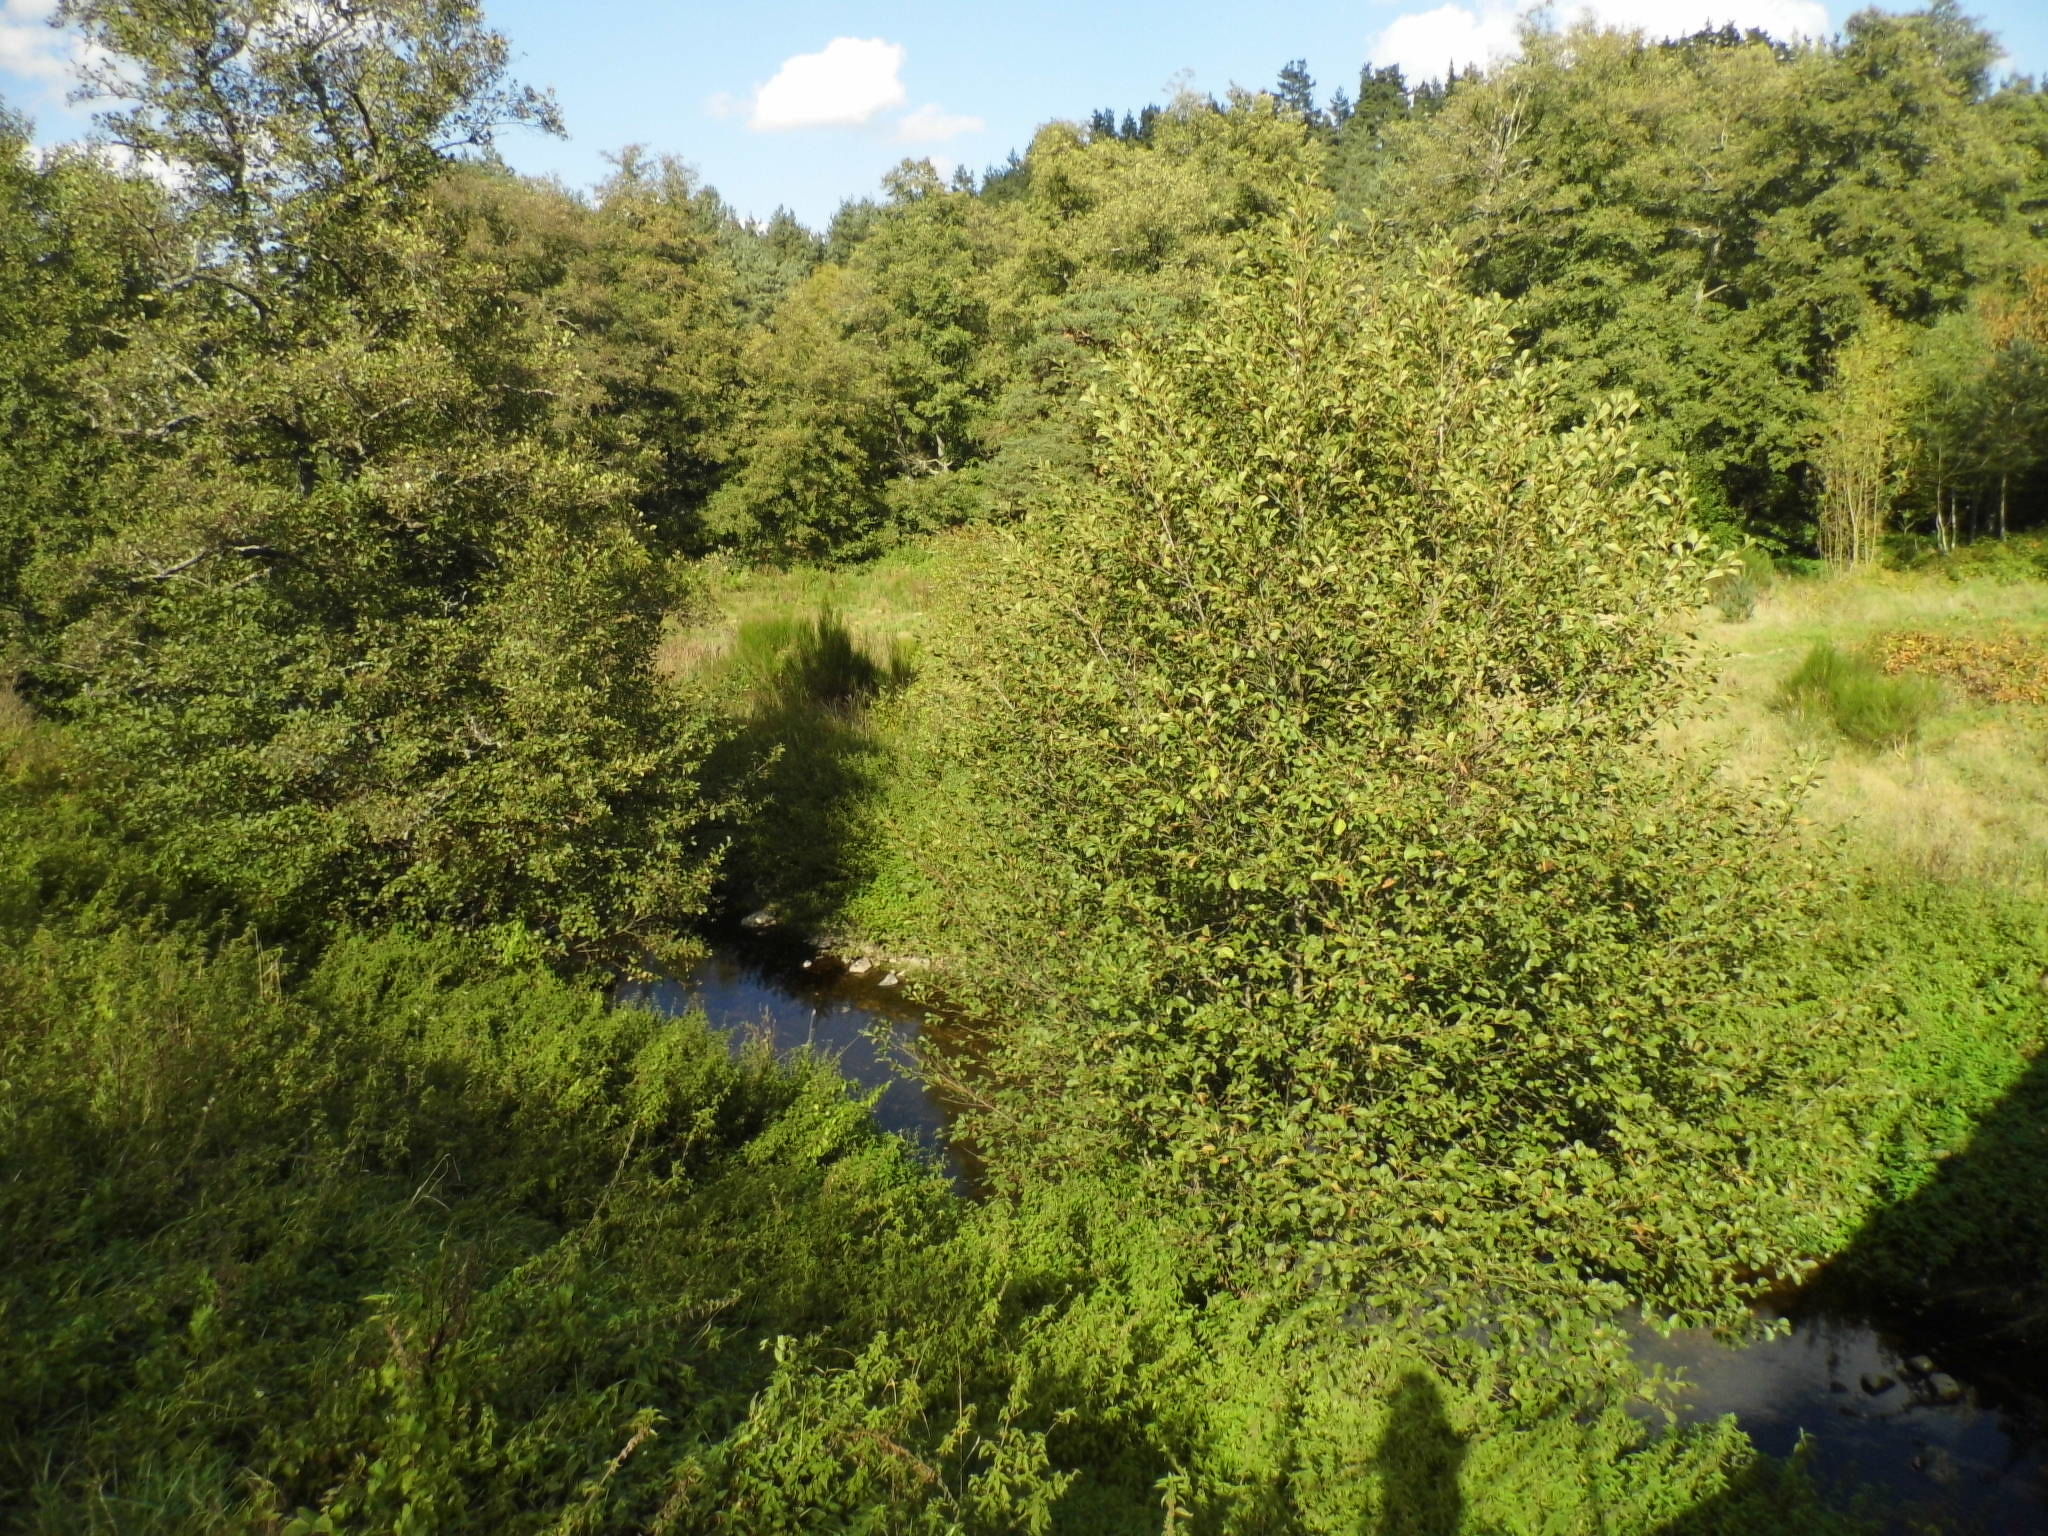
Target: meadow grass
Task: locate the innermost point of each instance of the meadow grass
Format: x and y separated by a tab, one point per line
806	664
1966	797
754	612
1856	696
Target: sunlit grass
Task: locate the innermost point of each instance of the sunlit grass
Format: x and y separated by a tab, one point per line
1856	697
1967	799
885	607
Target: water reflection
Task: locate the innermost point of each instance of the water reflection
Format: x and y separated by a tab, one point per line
757	986
1944	1443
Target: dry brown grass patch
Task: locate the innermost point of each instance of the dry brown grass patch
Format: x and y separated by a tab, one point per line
2006	668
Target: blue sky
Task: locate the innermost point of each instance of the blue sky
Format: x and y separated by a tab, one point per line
782	102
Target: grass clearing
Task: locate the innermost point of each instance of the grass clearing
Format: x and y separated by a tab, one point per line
806	664
885	606
1968	797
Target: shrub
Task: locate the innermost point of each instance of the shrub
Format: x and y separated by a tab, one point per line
2021	558
1359	916
1856	696
1735	591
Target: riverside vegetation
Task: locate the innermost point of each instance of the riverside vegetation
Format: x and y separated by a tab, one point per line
1310	620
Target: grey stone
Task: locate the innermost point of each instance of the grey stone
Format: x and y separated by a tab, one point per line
1944	1388
1875	1382
860	967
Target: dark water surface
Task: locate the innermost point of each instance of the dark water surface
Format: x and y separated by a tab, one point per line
1973	1466
761	986
1977	1464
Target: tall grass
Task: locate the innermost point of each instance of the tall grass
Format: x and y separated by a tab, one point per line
804	761
817	660
1857	698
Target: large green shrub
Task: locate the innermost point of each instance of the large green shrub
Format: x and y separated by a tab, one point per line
415	1243
1357	915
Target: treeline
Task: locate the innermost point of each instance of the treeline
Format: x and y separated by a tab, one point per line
1819	268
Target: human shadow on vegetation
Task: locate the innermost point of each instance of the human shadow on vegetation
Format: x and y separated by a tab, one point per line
1418	1460
804	766
1955	1271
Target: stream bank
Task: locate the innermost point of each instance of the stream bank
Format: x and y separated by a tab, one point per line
1947	1428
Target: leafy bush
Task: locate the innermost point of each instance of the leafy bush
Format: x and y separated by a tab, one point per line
1856	696
415	1242
1359	916
473	1229
2021	558
360	628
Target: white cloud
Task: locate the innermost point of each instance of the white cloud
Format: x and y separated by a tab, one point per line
932	124
847	84
1424	42
30	48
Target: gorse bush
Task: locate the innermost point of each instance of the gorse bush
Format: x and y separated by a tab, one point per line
1857	697
1382	946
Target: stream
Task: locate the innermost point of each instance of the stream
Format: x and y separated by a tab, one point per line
1951	1435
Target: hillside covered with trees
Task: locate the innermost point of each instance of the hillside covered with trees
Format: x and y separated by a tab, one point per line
1333	531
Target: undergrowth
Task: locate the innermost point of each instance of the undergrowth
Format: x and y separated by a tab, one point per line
397	1236
2003	667
1859	698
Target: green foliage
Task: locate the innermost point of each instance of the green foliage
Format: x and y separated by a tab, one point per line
2001	560
398	1199
1377	933
1384	1013
361	632
409	1239
644	280
77	248
1858	698
805	764
1860	454
1735	590
1704	222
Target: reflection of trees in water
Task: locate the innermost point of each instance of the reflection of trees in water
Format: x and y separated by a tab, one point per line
1965	1259
1418	1460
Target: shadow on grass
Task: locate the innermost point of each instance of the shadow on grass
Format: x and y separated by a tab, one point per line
1418	1460
804	767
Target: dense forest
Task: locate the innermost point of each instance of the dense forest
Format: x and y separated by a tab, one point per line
1306	776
